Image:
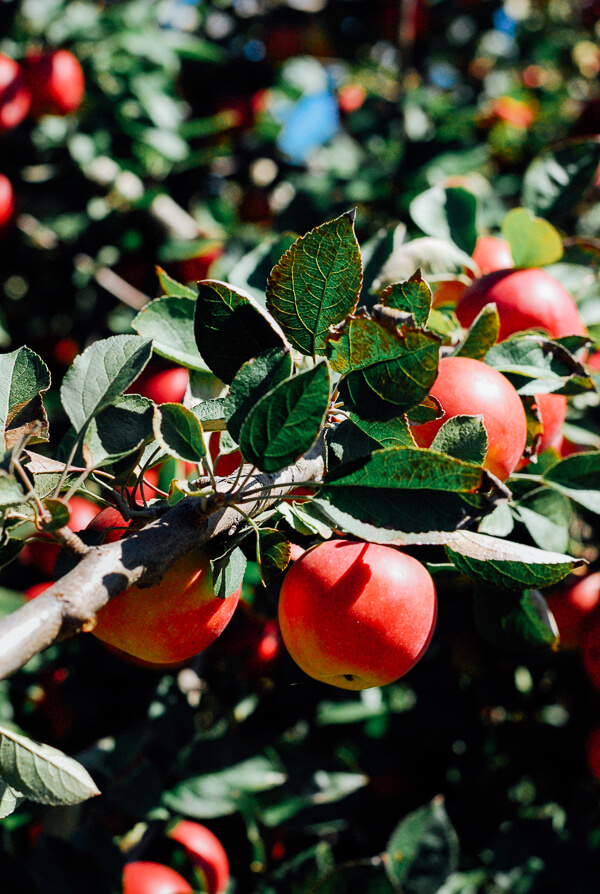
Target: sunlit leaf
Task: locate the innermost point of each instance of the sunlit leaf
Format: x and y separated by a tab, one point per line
169	322
533	241
23	378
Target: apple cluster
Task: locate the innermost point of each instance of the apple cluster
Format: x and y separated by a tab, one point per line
46	82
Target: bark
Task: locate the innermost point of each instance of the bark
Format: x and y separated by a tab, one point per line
70	605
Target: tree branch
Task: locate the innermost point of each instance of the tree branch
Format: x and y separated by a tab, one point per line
70	605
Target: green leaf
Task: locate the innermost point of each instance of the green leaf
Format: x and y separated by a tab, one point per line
101	374
463	437
448	213
316	284
347	442
223	792
533	241
547	365
489	559
231	328
228	573
482	335
118	430
170	286
390	433
324	788
510	620
393	367
423	850
169	322
412	296
555	181
11	492
60	514
547	516
211	414
9	800
577	477
274	552
253	380
23	377
42	773
179	432
286	422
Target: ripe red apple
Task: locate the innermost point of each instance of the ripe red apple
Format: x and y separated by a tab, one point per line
56	82
170	621
228	463
7	202
592	751
590	648
492	253
471	387
206	851
356	615
144	877
35	589
572	605
552	409
162	386
526	299
15	99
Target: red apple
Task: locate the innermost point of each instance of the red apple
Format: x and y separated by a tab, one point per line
492	253
592	751
144	877
227	463
205	851
470	387
56	82
15	99
552	409
7	202
356	615
162	386
572	605
526	299
170	621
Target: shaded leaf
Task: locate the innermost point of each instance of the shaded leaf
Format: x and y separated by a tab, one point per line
316	284
577	477
423	850
463	437
274	552
231	328
169	322
179	432
510	620
42	773
119	429
547	516
556	179
253	380
447	213
101	374
286	422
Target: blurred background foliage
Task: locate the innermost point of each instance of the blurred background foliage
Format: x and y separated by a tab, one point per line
208	130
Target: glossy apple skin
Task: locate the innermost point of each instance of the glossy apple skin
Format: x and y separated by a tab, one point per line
553	410
492	253
15	99
472	388
356	615
228	463
145	877
7	202
163	386
526	299
206	851
172	620
56	82
572	606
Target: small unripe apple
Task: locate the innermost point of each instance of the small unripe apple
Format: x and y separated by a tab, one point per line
15	99
356	615
206	852
471	388
170	621
56	82
145	877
